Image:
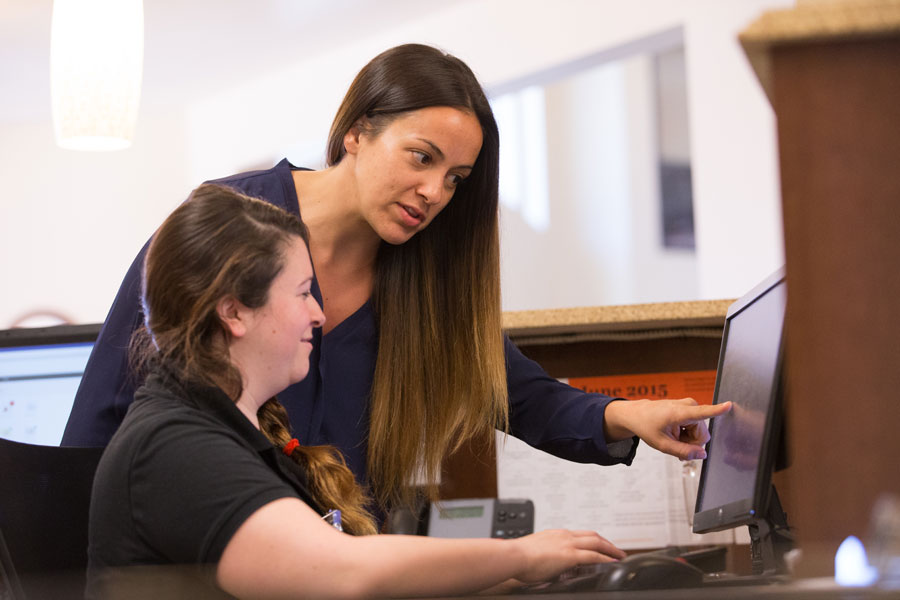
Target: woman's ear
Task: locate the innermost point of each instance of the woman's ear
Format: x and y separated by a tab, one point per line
351	138
232	313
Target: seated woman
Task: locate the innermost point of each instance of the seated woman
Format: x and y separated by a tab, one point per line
202	492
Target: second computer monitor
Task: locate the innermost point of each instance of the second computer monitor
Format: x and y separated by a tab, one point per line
40	370
736	478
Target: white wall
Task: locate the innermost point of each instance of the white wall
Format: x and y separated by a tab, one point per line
602	242
71	223
737	198
584	253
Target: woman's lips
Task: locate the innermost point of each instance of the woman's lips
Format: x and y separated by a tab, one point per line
411	216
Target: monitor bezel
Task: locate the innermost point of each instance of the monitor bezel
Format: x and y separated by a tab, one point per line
25	337
746	511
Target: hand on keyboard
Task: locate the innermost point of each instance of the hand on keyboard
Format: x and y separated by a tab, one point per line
549	552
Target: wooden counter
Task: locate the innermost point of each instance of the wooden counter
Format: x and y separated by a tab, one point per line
535	324
594	341
812	22
620	340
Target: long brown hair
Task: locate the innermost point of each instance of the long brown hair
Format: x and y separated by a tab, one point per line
440	375
222	243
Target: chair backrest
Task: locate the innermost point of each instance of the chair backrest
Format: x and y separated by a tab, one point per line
45	495
10	588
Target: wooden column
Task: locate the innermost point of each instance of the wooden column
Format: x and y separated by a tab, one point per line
832	73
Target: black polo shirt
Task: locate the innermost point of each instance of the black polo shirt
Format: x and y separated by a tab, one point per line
181	474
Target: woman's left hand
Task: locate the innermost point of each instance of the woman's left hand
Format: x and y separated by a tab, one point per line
676	427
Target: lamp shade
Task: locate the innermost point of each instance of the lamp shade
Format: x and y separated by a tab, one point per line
96	56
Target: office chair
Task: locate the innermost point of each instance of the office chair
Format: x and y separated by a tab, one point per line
44	501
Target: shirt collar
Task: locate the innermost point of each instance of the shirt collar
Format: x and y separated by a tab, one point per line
214	402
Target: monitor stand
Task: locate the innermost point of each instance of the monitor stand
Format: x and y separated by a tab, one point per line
770	539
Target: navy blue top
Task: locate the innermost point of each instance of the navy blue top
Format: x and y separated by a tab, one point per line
331	405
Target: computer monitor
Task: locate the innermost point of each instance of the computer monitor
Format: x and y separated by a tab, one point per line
735	486
40	369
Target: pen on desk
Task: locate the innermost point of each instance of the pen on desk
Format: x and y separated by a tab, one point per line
333	517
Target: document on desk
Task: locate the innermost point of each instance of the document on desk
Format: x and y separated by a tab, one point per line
636	507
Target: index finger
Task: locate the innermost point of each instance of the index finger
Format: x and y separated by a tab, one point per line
707	411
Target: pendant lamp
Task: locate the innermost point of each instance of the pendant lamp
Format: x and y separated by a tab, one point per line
96	57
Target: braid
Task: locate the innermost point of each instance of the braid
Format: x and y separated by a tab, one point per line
331	481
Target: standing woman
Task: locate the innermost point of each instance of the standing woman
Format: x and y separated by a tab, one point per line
201	492
405	244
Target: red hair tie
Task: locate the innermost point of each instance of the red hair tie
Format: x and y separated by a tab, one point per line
290	447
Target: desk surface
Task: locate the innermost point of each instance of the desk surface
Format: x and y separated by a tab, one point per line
803	589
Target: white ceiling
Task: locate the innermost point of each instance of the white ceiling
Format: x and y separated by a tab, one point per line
193	47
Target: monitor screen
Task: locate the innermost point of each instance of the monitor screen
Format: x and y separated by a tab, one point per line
735	480
40	370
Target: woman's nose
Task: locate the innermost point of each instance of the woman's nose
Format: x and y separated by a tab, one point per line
316	314
432	189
